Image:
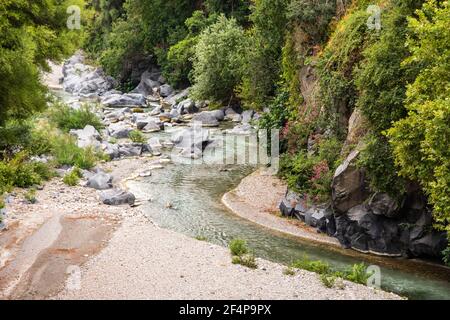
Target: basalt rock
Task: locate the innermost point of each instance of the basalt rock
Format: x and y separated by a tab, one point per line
349	187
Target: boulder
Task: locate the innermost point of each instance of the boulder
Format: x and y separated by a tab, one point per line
85	80
152	126
186	106
100	181
316	217
147	84
156	111
116	197
349	187
119	130
241	129
383	204
206	118
154	145
111	150
289	202
191	141
247	116
87	137
130	149
174	98
165	90
124	100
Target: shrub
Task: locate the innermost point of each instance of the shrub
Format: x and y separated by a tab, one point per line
22	173
328	280
248	260
67	118
238	247
73	177
358	274
137	137
316	266
289	271
30	196
218	61
66	152
312	174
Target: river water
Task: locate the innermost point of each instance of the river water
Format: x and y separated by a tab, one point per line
194	193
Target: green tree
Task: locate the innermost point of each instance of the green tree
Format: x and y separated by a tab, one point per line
31	35
218	61
263	58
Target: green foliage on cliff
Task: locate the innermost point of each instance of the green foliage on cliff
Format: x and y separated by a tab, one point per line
421	139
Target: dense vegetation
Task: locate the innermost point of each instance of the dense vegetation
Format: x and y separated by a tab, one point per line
259	54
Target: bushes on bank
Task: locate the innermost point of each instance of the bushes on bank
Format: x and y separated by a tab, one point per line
67	118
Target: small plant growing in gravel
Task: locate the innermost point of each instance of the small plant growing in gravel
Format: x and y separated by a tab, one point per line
241	254
136	136
289	271
328	280
30	196
200	238
248	260
316	266
73	177
238	247
113	140
358	274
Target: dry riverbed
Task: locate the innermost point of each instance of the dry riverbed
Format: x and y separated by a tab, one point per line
123	255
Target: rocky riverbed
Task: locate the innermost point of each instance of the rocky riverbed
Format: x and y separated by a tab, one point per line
97	231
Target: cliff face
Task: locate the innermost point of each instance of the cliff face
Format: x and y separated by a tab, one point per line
393	218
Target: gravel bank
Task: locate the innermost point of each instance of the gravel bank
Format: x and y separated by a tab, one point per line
143	261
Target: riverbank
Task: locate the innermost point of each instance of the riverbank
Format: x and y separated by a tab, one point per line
257	199
123	255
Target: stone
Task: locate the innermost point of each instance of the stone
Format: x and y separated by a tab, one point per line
165	90
286	208
156	111
316	217
87	137
191	141
349	187
206	118
186	106
124	100
247	116
174	98
130	149
147	84
116	197
119	130
155	145
383	204
111	150
100	181
152	126
3	214
289	202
